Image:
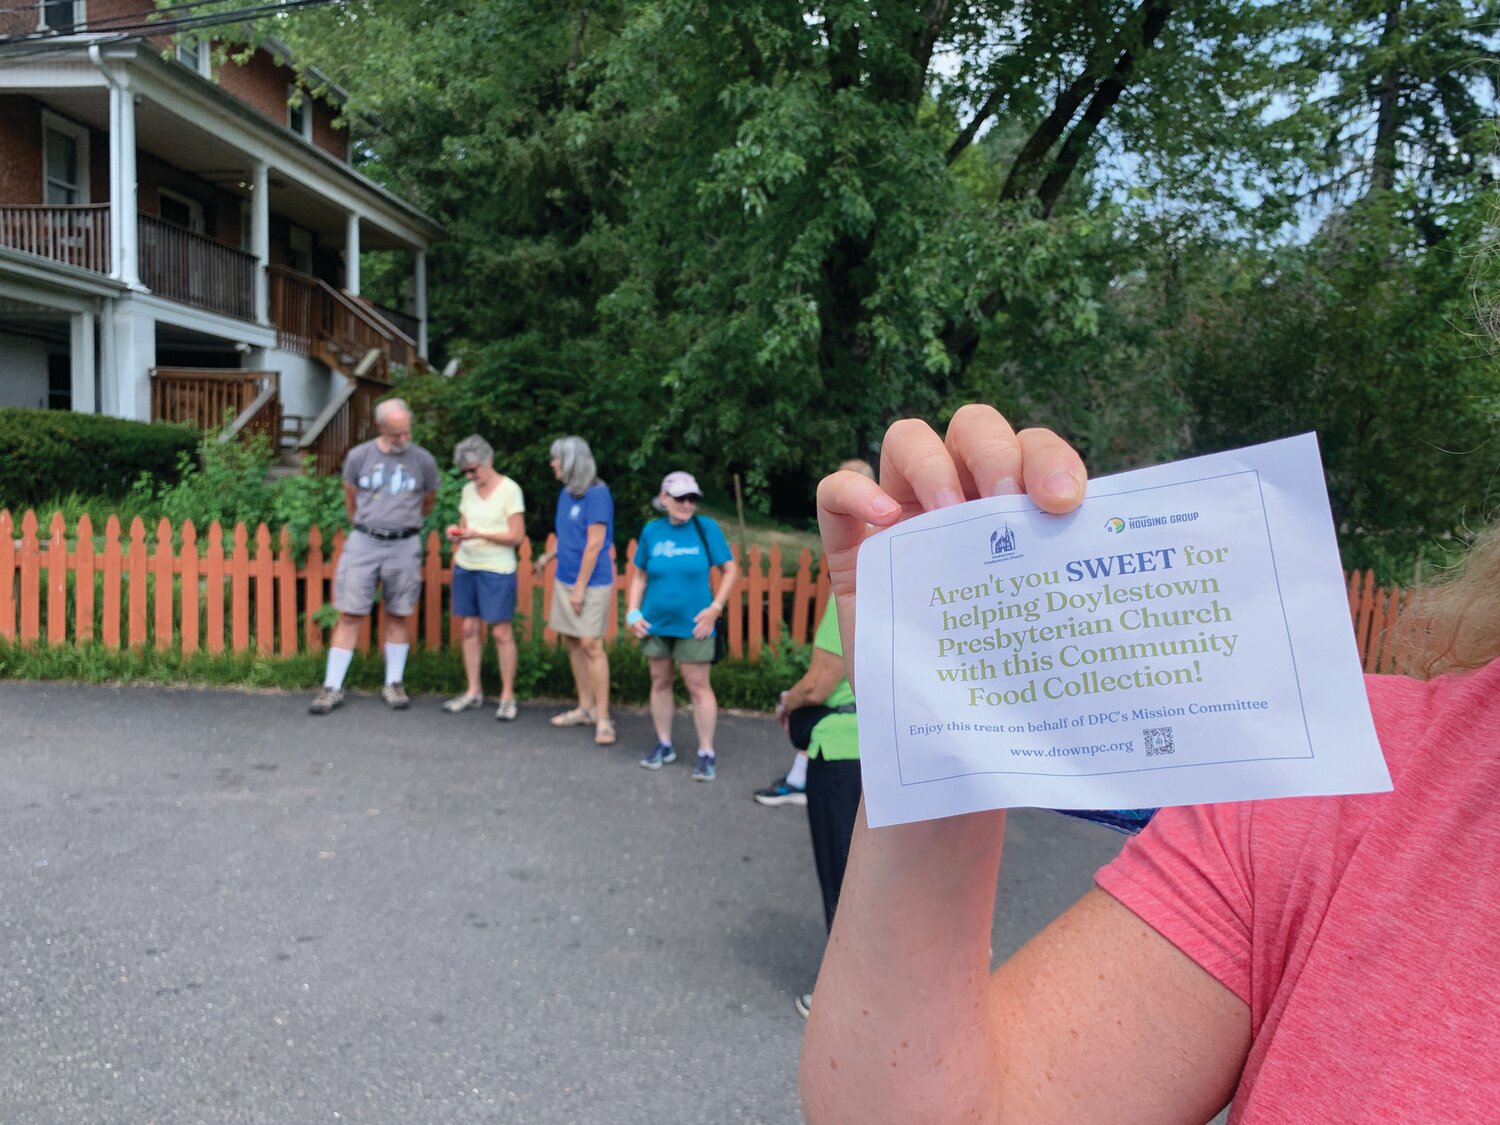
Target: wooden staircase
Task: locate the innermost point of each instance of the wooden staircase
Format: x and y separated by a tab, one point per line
350	338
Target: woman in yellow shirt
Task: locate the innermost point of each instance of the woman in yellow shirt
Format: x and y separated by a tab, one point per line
491	525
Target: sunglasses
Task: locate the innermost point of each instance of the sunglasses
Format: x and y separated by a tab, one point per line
472	470
690	498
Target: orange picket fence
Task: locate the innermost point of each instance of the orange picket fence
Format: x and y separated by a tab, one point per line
248	594
243	593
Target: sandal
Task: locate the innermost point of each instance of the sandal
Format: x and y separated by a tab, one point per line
604	733
578	717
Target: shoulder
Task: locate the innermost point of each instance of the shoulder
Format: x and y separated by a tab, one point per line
425	456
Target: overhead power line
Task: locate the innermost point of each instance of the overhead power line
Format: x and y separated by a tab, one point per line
36	43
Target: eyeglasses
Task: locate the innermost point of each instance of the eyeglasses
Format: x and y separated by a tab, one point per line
472	470
690	498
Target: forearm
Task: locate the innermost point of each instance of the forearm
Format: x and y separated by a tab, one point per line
727	578
586	566
900	1028
804	694
635	594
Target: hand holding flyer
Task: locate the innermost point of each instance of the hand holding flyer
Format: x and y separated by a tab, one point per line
1181	637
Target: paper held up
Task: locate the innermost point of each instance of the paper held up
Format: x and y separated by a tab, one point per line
1181	638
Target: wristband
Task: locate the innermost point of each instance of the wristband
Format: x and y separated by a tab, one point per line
633	616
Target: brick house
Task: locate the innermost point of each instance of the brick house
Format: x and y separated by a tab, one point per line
180	237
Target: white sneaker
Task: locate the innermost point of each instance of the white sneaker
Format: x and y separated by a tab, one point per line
464	702
506	711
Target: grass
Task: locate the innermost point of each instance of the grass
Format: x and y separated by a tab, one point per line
543	671
767	533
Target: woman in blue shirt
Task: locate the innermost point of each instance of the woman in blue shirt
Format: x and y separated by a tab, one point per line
584	583
673	608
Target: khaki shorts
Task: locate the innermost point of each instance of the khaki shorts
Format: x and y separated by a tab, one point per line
395	564
589	623
684	650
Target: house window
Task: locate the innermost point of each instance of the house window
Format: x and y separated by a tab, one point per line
183	211
194	54
60	15
299	113
65	161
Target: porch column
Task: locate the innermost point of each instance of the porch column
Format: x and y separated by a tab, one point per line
351	254
260	237
419	284
81	354
123	222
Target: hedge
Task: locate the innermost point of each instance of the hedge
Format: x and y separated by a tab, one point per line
48	453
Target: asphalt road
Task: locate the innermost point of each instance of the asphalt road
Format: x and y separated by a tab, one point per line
215	908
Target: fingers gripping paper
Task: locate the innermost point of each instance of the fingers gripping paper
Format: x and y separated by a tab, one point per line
1183	637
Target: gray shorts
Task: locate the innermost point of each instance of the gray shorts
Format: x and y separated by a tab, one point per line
395	564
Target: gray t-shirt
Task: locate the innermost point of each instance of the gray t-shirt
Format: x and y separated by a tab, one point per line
390	486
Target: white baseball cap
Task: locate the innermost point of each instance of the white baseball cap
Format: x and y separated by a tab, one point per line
677	485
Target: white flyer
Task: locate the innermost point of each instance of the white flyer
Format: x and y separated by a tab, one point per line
1183	637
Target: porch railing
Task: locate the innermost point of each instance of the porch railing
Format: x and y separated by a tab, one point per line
76	235
197	270
209	399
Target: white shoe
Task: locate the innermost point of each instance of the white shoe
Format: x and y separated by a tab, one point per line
464	702
506	711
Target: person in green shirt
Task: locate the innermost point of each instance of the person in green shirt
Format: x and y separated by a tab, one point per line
817	712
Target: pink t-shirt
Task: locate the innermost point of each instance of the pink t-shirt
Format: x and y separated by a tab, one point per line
1363	932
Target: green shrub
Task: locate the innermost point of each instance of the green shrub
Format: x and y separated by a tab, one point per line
46	453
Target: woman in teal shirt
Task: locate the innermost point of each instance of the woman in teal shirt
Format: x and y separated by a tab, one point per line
672	606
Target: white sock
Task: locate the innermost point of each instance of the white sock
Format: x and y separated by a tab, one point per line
702	750
395	662
796	777
338	667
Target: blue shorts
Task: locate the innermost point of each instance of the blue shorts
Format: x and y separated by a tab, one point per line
483	593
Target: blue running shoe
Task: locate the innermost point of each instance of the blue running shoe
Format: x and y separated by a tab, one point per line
661	755
780	792
707	767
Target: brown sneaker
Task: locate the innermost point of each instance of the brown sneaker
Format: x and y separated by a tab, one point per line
325	701
395	697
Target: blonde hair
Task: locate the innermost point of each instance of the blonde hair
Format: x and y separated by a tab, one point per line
1454	624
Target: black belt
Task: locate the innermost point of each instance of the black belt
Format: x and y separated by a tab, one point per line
382	533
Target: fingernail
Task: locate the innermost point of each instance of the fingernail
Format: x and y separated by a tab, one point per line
1061	486
883	505
1006	486
948	497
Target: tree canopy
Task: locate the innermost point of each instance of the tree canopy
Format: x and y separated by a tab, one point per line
745	237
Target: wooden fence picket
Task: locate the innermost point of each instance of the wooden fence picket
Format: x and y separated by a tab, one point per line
213	586
286	596
774	585
312	632
83	581
7	577
111	636
57	581
802	596
432	595
31	565
135	575
265	593
239	592
190	592
162	570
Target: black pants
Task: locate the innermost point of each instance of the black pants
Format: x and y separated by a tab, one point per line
833	790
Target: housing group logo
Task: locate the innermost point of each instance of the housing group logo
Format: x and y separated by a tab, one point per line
1003	544
1115	525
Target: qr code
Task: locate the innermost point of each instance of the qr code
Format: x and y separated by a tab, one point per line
1158	741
